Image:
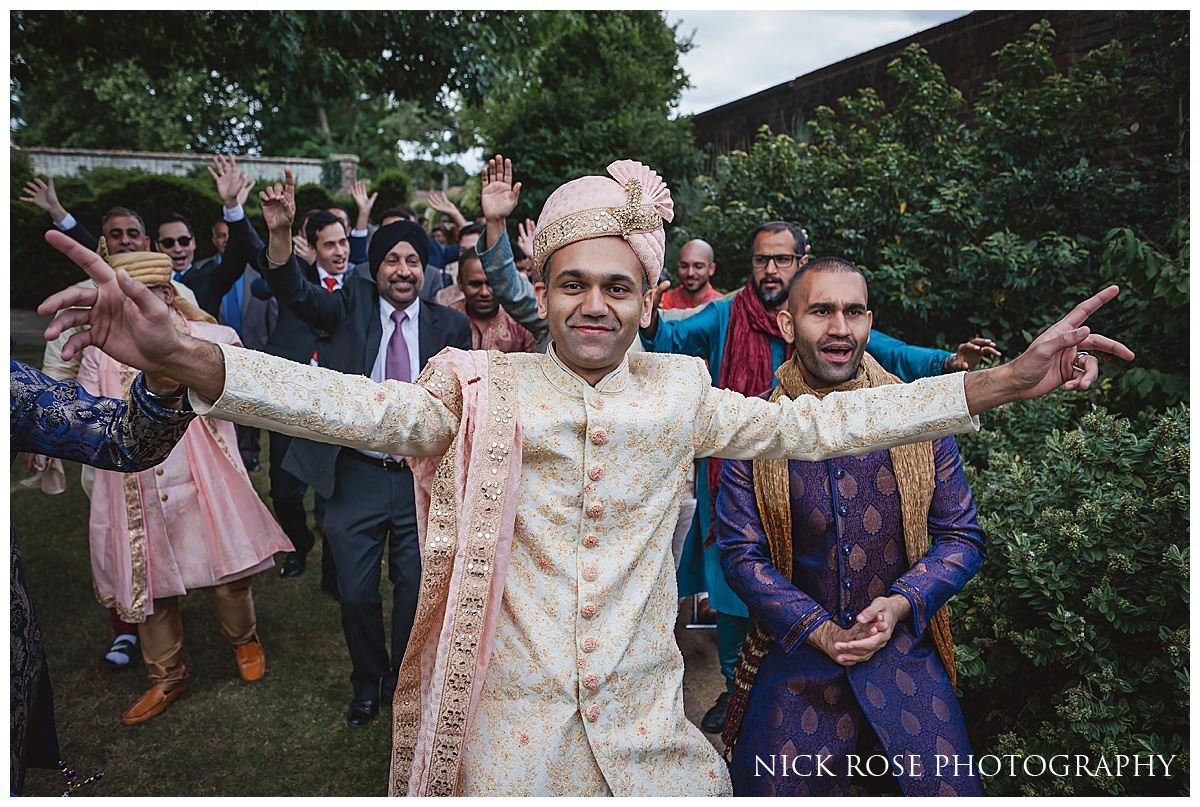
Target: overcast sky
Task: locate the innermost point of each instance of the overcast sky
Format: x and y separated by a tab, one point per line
737	53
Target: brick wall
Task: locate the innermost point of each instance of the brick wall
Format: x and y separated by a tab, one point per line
962	47
69	162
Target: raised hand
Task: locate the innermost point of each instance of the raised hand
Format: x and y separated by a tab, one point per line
970	354
41	193
232	186
526	230
279	203
364	203
499	195
303	249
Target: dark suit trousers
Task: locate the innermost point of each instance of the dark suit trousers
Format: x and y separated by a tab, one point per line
372	506
287	497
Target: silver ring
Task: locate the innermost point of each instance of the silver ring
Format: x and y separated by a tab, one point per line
1078	356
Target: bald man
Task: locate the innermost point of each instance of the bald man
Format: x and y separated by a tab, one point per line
696	266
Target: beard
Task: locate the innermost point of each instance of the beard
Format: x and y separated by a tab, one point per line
770	300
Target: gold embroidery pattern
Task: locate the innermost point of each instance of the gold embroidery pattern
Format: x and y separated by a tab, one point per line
475	571
135	516
632	217
487	508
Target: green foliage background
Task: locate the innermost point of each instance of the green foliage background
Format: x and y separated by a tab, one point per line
988	219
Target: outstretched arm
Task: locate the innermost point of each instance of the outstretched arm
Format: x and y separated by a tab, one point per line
41	193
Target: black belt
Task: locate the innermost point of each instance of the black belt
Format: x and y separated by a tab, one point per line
379	462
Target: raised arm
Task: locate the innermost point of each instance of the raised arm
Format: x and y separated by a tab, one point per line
41	193
234	188
281	269
499	198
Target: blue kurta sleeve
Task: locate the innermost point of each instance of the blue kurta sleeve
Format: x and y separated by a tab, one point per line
698	335
904	360
956	542
61	419
785	611
512	288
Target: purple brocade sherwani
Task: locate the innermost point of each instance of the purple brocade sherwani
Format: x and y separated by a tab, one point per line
848	549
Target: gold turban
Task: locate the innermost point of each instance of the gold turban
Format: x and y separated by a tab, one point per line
154	269
631	203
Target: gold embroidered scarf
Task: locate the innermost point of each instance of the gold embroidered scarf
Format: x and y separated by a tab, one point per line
913	468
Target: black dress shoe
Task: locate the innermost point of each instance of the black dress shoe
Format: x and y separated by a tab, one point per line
714	718
293	565
362	712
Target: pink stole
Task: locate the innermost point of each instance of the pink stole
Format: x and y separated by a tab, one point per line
466	511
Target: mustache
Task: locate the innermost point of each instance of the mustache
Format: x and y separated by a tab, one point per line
849	344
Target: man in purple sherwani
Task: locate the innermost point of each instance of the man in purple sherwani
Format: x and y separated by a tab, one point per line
846	565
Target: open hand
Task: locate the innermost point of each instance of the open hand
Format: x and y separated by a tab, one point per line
358	192
41	193
526	230
499	195
232	186
970	354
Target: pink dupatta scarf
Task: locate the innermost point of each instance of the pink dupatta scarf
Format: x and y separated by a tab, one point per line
466	511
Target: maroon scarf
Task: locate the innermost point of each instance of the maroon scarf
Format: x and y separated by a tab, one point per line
746	362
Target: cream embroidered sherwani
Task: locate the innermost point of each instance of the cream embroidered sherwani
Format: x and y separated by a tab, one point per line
583	690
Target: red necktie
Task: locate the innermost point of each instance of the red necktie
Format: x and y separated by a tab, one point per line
331	285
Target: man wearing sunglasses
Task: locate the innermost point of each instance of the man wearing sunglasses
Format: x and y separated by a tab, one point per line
743	329
211	281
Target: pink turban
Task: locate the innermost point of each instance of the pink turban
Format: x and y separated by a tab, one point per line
633	204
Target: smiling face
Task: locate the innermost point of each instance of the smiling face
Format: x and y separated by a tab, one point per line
695	265
400	275
125	234
594	299
333	248
828	322
171	238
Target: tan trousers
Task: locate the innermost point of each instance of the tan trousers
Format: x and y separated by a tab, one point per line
161	634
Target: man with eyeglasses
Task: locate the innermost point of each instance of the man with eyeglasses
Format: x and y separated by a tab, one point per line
744	329
210	282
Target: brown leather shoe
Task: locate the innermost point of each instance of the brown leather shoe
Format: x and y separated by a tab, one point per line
251	661
151	704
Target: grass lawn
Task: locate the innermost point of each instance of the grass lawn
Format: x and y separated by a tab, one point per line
283	736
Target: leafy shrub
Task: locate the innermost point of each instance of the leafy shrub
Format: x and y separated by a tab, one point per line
1064	182
1074	636
392	187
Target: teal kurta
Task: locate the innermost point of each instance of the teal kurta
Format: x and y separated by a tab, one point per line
704	334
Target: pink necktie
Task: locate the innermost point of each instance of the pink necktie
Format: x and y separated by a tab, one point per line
396	364
331	285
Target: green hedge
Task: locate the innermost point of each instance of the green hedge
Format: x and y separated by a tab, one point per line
1073	639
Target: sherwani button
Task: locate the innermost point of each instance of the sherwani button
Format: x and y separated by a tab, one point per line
839	473
591	681
591	541
164	497
595	510
159	471
846	583
843	510
599	437
590	644
590	573
589	611
593	713
846	549
595	473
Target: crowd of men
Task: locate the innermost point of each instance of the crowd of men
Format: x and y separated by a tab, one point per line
828	574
